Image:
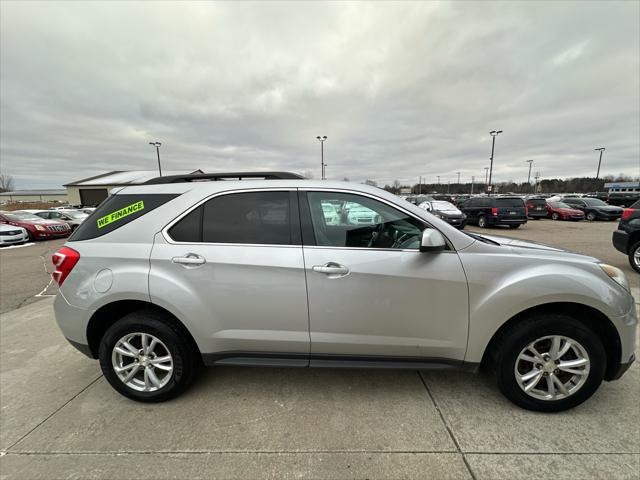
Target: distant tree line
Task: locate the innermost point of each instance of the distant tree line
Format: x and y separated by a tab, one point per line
549	185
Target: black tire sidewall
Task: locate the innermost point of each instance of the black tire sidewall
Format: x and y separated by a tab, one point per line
592	215
632	250
532	328
178	347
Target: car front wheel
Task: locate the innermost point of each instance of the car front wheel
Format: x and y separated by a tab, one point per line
482	221
555	216
634	257
549	363
591	216
144	356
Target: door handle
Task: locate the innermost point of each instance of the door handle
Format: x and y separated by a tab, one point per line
189	259
331	268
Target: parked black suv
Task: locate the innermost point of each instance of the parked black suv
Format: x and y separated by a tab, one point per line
627	238
488	211
537	208
594	208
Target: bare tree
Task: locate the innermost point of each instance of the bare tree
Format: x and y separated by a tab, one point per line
345	179
370	182
6	182
308	174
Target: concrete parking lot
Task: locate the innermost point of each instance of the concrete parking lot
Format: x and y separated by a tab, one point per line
60	418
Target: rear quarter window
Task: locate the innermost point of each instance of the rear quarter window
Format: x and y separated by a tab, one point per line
116	211
509	202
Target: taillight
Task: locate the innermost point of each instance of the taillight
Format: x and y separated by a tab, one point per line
64	260
494	211
627	213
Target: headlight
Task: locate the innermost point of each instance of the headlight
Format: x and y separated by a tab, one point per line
41	228
615	274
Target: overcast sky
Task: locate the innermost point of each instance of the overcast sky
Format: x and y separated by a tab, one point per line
400	89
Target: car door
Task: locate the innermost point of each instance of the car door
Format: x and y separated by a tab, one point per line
233	267
372	293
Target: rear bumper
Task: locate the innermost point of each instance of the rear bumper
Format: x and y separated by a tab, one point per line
505	221
73	322
620	241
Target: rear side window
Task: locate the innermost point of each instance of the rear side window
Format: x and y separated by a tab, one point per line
116	211
262	218
509	202
539	202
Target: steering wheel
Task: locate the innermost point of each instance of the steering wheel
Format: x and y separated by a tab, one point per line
404	240
375	234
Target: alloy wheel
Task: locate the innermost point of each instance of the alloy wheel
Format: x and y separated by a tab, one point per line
552	367
142	362
636	258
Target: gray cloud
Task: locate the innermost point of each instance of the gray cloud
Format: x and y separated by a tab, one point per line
400	89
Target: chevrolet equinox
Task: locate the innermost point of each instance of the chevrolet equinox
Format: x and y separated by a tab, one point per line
248	269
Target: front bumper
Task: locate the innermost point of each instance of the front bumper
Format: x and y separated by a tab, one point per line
620	241
13	239
621	368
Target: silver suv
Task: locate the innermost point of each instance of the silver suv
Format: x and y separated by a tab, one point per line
175	274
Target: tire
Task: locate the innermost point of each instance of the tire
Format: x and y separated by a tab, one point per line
514	226
555	216
591	216
634	256
171	341
482	221
536	218
535	327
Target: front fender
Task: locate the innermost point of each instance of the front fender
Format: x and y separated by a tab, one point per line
504	290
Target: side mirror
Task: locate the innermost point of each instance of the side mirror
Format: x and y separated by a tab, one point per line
432	241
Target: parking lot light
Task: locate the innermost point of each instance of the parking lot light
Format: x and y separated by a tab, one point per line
601	149
157	145
494	134
529	176
322	164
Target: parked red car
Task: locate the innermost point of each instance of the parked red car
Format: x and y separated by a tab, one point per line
562	211
37	228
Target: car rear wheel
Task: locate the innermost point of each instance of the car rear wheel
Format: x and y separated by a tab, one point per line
549	363
482	221
515	226
634	257
591	216
144	356
555	216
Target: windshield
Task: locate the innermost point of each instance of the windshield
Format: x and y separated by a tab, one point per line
559	205
443	206
17	216
537	201
77	215
594	202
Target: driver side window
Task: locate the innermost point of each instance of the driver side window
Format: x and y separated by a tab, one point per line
348	220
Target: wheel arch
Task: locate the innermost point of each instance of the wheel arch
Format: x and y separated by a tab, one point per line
594	319
108	314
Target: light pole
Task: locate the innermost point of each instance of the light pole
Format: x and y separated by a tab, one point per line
322	164
529	176
157	145
486	177
601	149
419	185
494	134
473	179
438	183
458	178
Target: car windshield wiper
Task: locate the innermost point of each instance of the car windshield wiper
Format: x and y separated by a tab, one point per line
482	239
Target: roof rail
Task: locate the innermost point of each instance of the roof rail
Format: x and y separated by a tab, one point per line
204	177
